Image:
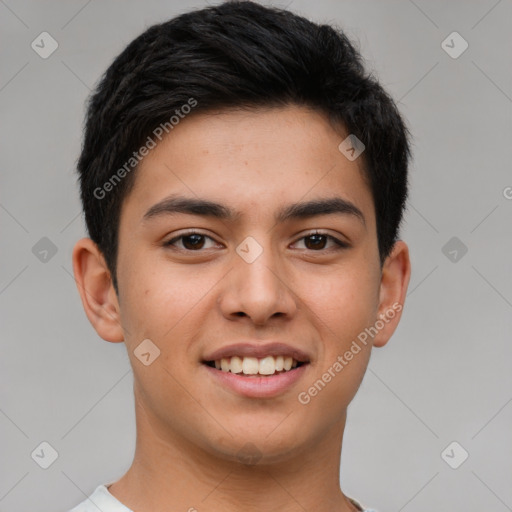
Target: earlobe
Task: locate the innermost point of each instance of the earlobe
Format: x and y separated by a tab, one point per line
96	290
396	273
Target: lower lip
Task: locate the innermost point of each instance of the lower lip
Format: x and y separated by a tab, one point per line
258	387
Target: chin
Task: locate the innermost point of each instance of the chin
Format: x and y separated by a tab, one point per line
257	446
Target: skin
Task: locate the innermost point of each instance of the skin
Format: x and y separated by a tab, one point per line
189	427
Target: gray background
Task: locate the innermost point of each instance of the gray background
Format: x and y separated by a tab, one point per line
446	374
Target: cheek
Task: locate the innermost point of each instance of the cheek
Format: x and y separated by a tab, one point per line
345	303
161	299
342	309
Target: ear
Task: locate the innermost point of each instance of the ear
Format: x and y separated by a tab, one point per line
97	292
395	276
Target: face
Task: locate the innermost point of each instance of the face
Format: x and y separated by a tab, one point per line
262	272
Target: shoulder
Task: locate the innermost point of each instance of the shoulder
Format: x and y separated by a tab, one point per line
359	506
102	500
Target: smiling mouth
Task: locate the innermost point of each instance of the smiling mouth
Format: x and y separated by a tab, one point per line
256	367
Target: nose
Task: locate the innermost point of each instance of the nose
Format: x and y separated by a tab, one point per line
258	290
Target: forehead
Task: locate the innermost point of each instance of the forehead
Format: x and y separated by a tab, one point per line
251	161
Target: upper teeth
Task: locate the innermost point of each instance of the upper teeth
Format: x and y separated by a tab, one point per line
252	365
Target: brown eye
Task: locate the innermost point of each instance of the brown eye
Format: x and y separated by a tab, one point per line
193	242
319	241
316	241
189	242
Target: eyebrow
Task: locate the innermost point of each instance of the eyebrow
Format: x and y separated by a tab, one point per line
175	204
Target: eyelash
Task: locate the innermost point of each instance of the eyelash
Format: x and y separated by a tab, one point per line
340	245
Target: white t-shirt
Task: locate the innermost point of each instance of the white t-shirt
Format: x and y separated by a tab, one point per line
101	499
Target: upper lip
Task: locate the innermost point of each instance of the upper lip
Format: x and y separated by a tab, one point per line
259	351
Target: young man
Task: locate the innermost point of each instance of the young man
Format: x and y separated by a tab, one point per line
243	181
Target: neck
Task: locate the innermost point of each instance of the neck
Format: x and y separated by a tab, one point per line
171	473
